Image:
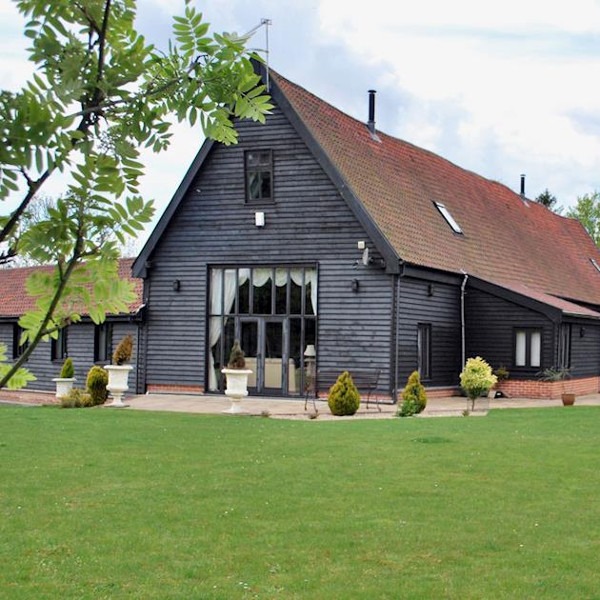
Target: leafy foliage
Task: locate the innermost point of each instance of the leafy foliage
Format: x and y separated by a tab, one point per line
76	398
99	94
20	378
414	398
343	398
96	382
68	369
476	378
587	212
123	351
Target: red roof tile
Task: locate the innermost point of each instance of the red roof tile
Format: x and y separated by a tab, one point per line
14	300
505	237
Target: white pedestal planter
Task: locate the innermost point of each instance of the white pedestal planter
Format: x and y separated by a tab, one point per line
63	386
118	376
237	388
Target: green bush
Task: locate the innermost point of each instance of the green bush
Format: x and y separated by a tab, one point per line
97	380
123	351
414	399
68	369
344	398
476	379
76	398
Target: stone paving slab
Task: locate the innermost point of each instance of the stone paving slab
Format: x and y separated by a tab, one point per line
293	408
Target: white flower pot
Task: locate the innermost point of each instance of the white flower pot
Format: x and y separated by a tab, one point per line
237	388
118	376
63	386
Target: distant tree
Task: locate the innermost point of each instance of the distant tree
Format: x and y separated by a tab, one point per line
587	212
549	201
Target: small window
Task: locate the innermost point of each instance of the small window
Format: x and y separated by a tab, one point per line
58	347
259	175
102	343
449	218
528	348
18	348
424	350
595	263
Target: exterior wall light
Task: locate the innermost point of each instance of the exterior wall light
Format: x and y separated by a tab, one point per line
176	285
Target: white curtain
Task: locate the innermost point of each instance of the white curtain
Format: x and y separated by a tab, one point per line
311	278
221	297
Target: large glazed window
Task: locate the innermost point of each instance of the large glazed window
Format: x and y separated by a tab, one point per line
271	310
259	175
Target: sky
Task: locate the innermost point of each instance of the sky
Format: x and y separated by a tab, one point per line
499	88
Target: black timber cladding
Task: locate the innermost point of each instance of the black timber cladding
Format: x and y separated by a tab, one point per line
309	223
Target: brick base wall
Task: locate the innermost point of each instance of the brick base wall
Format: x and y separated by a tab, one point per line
174	389
532	388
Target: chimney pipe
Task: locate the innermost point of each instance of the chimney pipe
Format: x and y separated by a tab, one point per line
522	184
371	123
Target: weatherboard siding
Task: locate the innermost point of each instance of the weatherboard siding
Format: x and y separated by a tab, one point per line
308	224
438	305
585	349
490	332
80	348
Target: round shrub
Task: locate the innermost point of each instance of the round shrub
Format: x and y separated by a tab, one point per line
97	380
68	369
344	398
76	398
414	399
477	378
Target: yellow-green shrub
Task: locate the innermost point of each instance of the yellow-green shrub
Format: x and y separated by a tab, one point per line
344	398
97	380
414	398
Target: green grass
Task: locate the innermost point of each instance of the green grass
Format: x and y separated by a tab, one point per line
121	504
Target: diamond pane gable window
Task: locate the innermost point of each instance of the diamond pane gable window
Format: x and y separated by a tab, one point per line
449	218
259	175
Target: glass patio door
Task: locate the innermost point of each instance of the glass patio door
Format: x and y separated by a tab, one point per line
263	341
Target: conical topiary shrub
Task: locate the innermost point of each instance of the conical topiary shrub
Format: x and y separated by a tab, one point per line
123	351
344	398
414	399
68	369
237	358
97	380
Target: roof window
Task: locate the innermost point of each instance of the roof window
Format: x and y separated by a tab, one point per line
595	263
449	218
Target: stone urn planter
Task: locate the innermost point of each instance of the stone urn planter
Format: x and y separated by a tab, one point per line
63	386
236	379
118	383
237	388
64	382
118	372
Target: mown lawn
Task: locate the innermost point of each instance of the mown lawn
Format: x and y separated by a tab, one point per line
99	503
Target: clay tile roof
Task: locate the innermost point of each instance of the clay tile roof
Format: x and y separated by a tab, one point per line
506	238
14	300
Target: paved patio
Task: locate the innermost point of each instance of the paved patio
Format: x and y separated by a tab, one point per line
290	408
294	408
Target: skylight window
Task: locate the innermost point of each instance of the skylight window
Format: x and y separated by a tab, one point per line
595	263
449	218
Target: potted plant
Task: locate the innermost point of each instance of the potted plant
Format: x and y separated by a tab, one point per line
118	371
553	374
66	379
502	374
476	379
237	378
